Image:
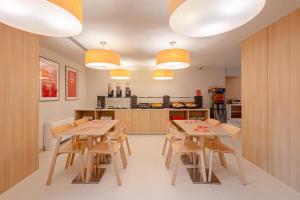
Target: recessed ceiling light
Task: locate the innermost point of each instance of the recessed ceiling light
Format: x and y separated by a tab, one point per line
195	18
55	18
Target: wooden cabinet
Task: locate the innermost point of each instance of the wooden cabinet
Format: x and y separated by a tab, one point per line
270	97
283	99
255	98
125	117
19	117
140	121
158	120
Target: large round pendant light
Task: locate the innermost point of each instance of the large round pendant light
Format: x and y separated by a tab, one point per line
162	74
173	58
55	18
102	59
120	74
195	18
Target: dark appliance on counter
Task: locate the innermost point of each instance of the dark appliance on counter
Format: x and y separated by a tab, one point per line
133	102
100	101
118	90
127	90
110	91
166	101
218	104
198	101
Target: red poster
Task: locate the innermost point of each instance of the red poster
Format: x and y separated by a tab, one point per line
71	84
49	80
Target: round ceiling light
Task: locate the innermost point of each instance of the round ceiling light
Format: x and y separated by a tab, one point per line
120	74
102	59
173	58
163	74
204	18
54	18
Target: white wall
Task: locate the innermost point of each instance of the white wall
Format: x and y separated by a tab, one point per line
55	110
185	83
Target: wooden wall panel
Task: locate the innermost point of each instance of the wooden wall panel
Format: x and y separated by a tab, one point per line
125	117
19	73
141	121
284	95
254	98
159	120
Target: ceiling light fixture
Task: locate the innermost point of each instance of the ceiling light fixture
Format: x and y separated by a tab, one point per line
173	58
120	74
54	18
102	59
163	74
204	18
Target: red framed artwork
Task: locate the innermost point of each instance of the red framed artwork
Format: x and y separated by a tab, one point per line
49	80
71	84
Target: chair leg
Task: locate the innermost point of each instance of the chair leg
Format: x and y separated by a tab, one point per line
81	166
194	160
211	153
55	154
168	154
128	147
170	158
203	169
72	159
176	168
123	156
222	160
165	145
68	161
89	166
116	169
240	168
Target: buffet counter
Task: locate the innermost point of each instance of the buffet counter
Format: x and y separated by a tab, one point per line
143	121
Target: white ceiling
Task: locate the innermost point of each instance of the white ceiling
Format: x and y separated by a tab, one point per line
137	29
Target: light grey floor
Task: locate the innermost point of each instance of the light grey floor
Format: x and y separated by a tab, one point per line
146	178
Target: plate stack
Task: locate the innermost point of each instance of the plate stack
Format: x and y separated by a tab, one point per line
199	101
166	101
133	101
100	101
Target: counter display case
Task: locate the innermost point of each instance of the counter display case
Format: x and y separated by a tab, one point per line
144	121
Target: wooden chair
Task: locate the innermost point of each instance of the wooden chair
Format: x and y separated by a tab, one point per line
111	147
214	122
71	156
168	138
219	147
68	147
181	145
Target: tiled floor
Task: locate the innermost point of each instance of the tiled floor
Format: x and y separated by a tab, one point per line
147	179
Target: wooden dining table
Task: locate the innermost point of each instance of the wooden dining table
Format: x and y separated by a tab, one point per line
90	130
200	129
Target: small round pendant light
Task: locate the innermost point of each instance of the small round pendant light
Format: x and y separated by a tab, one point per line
120	74
173	58
162	74
102	59
54	18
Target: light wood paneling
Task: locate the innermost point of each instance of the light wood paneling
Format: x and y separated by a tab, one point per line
254	98
19	73
125	117
159	120
140	121
284	107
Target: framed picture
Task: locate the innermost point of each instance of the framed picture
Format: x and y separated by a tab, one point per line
49	80
71	84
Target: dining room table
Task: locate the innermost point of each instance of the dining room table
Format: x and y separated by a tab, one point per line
200	129
92	129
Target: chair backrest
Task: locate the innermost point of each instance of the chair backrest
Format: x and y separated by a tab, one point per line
176	134
233	131
59	129
213	122
80	121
